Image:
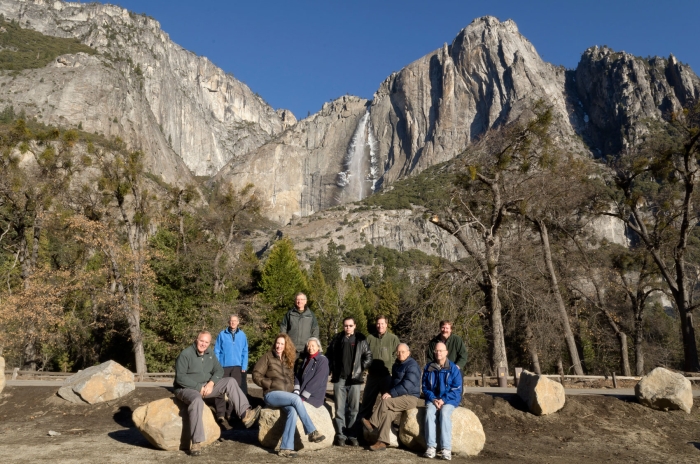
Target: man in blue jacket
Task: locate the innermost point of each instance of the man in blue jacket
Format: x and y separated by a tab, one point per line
442	387
404	394
231	350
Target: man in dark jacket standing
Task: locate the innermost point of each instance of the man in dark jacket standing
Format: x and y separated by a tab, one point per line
383	345
455	346
299	323
403	394
198	376
349	356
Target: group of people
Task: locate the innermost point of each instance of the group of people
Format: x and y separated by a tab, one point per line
294	371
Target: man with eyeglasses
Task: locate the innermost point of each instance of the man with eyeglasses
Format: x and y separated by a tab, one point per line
300	323
348	356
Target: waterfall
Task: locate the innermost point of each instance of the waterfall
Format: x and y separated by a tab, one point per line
360	165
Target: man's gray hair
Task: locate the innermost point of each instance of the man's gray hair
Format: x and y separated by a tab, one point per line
404	344
317	342
233	315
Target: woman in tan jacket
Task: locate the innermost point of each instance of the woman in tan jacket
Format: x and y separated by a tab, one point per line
274	373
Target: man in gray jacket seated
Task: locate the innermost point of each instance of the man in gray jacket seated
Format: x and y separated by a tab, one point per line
404	394
198	376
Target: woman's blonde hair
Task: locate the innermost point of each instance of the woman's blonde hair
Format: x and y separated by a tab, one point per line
290	351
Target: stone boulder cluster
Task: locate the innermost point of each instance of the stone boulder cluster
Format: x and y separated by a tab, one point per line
96	384
468	436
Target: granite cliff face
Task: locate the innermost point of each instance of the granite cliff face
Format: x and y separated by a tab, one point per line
206	116
431	111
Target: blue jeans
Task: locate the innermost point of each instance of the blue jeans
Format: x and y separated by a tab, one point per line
445	419
347	405
293	406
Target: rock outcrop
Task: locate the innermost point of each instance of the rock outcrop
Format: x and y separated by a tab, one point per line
2	373
164	423
272	421
205	114
468	436
97	384
542	396
297	173
665	390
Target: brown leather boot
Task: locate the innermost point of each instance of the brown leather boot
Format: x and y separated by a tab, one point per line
379	446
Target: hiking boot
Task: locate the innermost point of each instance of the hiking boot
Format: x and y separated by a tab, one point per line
368	425
379	446
223	423
287	453
429	453
339	440
251	415
315	437
196	449
446	455
352	441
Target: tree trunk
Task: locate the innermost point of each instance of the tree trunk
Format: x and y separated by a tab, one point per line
560	366
499	357
532	351
690	349
137	341
554	287
624	357
638	341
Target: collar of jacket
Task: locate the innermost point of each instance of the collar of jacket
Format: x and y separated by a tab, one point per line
434	366
228	329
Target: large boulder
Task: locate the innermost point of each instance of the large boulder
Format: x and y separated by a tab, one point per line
96	384
468	436
665	390
2	373
165	424
271	425
542	396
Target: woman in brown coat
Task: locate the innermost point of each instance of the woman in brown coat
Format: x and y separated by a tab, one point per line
274	373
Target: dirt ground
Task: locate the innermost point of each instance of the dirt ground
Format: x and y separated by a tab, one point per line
588	429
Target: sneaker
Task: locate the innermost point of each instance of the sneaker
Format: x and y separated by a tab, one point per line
223	423
196	449
251	415
368	425
287	453
429	453
379	446
315	437
446	455
352	441
339	440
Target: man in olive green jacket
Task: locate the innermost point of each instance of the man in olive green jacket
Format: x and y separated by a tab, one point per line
299	323
456	350
198	376
383	346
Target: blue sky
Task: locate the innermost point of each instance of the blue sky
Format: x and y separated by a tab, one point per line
300	54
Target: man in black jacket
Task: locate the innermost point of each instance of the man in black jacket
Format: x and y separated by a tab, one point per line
404	394
349	356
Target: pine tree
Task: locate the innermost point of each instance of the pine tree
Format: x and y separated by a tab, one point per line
282	277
